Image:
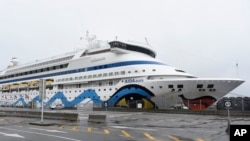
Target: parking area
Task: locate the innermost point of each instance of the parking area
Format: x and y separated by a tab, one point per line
124	126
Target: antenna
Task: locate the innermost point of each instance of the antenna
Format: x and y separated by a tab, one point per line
237	69
87	33
146	40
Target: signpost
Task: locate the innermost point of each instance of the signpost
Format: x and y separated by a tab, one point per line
106	105
42	95
228	105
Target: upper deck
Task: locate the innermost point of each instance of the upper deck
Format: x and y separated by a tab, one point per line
61	63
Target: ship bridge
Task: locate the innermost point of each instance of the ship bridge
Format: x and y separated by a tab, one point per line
132	47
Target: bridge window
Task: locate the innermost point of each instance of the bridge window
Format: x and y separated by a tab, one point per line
116	44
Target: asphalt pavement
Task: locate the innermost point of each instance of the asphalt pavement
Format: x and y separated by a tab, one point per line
123	126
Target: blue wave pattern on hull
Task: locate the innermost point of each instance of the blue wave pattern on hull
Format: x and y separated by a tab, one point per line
21	99
91	94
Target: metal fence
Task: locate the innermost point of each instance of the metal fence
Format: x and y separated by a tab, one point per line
238	103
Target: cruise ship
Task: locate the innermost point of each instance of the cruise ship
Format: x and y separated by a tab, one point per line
109	74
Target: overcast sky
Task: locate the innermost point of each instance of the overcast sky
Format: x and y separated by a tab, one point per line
206	38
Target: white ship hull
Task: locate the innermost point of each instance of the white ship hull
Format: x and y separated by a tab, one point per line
107	77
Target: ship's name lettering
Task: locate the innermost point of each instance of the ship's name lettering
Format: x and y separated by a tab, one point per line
132	80
98	59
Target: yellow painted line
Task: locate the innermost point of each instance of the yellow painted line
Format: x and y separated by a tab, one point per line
200	139
74	128
106	131
89	129
126	134
174	138
150	137
61	127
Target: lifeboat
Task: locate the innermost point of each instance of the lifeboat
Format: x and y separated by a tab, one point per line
34	84
6	87
23	85
14	86
49	81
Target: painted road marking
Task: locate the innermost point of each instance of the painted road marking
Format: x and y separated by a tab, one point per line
174	138
61	127
134	128
49	135
150	137
126	134
200	139
106	131
12	135
74	128
52	131
89	129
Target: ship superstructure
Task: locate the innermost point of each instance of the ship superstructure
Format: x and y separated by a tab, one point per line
116	73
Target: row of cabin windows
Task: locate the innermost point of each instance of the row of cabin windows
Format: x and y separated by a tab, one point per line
92	76
43	63
98	75
36	71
